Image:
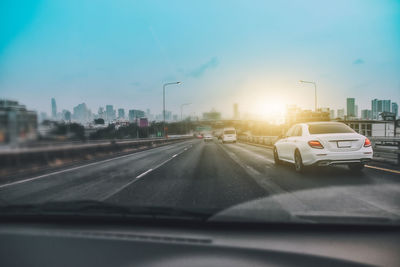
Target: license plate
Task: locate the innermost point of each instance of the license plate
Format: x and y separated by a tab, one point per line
343	144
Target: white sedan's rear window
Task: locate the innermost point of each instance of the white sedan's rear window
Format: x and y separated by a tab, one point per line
328	128
229	132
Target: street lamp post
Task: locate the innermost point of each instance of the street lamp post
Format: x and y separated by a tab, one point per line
186	104
315	88
165	85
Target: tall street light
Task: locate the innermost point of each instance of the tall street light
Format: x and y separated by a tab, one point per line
315	87
186	104
165	85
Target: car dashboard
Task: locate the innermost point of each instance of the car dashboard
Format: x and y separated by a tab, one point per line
113	244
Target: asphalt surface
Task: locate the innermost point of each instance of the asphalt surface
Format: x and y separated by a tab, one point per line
194	174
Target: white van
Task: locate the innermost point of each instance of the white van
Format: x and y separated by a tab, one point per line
229	135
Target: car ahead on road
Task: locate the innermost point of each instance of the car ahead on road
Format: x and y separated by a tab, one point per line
323	144
228	135
207	137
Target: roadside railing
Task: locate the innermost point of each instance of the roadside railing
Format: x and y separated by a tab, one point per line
260	140
68	152
386	149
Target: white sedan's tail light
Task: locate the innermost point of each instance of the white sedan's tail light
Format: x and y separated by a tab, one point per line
367	142
315	144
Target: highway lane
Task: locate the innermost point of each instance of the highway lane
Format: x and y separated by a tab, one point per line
213	176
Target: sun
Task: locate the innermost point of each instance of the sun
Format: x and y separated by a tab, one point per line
273	107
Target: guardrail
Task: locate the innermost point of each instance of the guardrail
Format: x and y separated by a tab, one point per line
21	157
261	140
386	149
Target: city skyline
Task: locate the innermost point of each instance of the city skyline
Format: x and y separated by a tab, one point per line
110	112
126	58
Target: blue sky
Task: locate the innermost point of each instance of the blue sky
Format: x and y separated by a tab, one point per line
249	52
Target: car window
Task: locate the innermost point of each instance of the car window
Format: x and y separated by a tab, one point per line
291	130
297	131
229	132
329	128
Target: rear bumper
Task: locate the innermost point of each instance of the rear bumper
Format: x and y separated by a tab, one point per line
323	157
341	162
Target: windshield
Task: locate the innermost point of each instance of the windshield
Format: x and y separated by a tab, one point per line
328	128
182	109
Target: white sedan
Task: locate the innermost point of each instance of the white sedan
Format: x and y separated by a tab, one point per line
323	144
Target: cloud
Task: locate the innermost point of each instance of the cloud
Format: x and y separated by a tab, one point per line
199	71
358	61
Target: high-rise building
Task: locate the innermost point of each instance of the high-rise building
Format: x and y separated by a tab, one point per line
236	114
340	113
395	109
374	109
135	114
81	113
351	111
379	106
366	114
110	113
121	113
17	124
168	115
53	108
386	105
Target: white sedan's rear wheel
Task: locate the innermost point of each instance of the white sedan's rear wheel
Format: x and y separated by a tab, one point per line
298	162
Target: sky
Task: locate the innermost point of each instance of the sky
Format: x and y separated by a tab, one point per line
248	52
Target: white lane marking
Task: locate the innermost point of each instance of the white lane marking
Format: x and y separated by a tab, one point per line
143	174
139	176
382	169
76	168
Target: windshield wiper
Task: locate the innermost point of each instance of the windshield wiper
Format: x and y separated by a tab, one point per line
91	208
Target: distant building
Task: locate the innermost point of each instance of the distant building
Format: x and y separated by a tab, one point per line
340	113
17	124
121	113
374	109
81	113
332	114
351	111
366	114
236	114
168	115
395	109
66	115
135	114
53	109
212	115
356	111
110	113
372	128
379	106
297	115
386	105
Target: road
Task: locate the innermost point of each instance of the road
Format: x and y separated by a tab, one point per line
196	175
